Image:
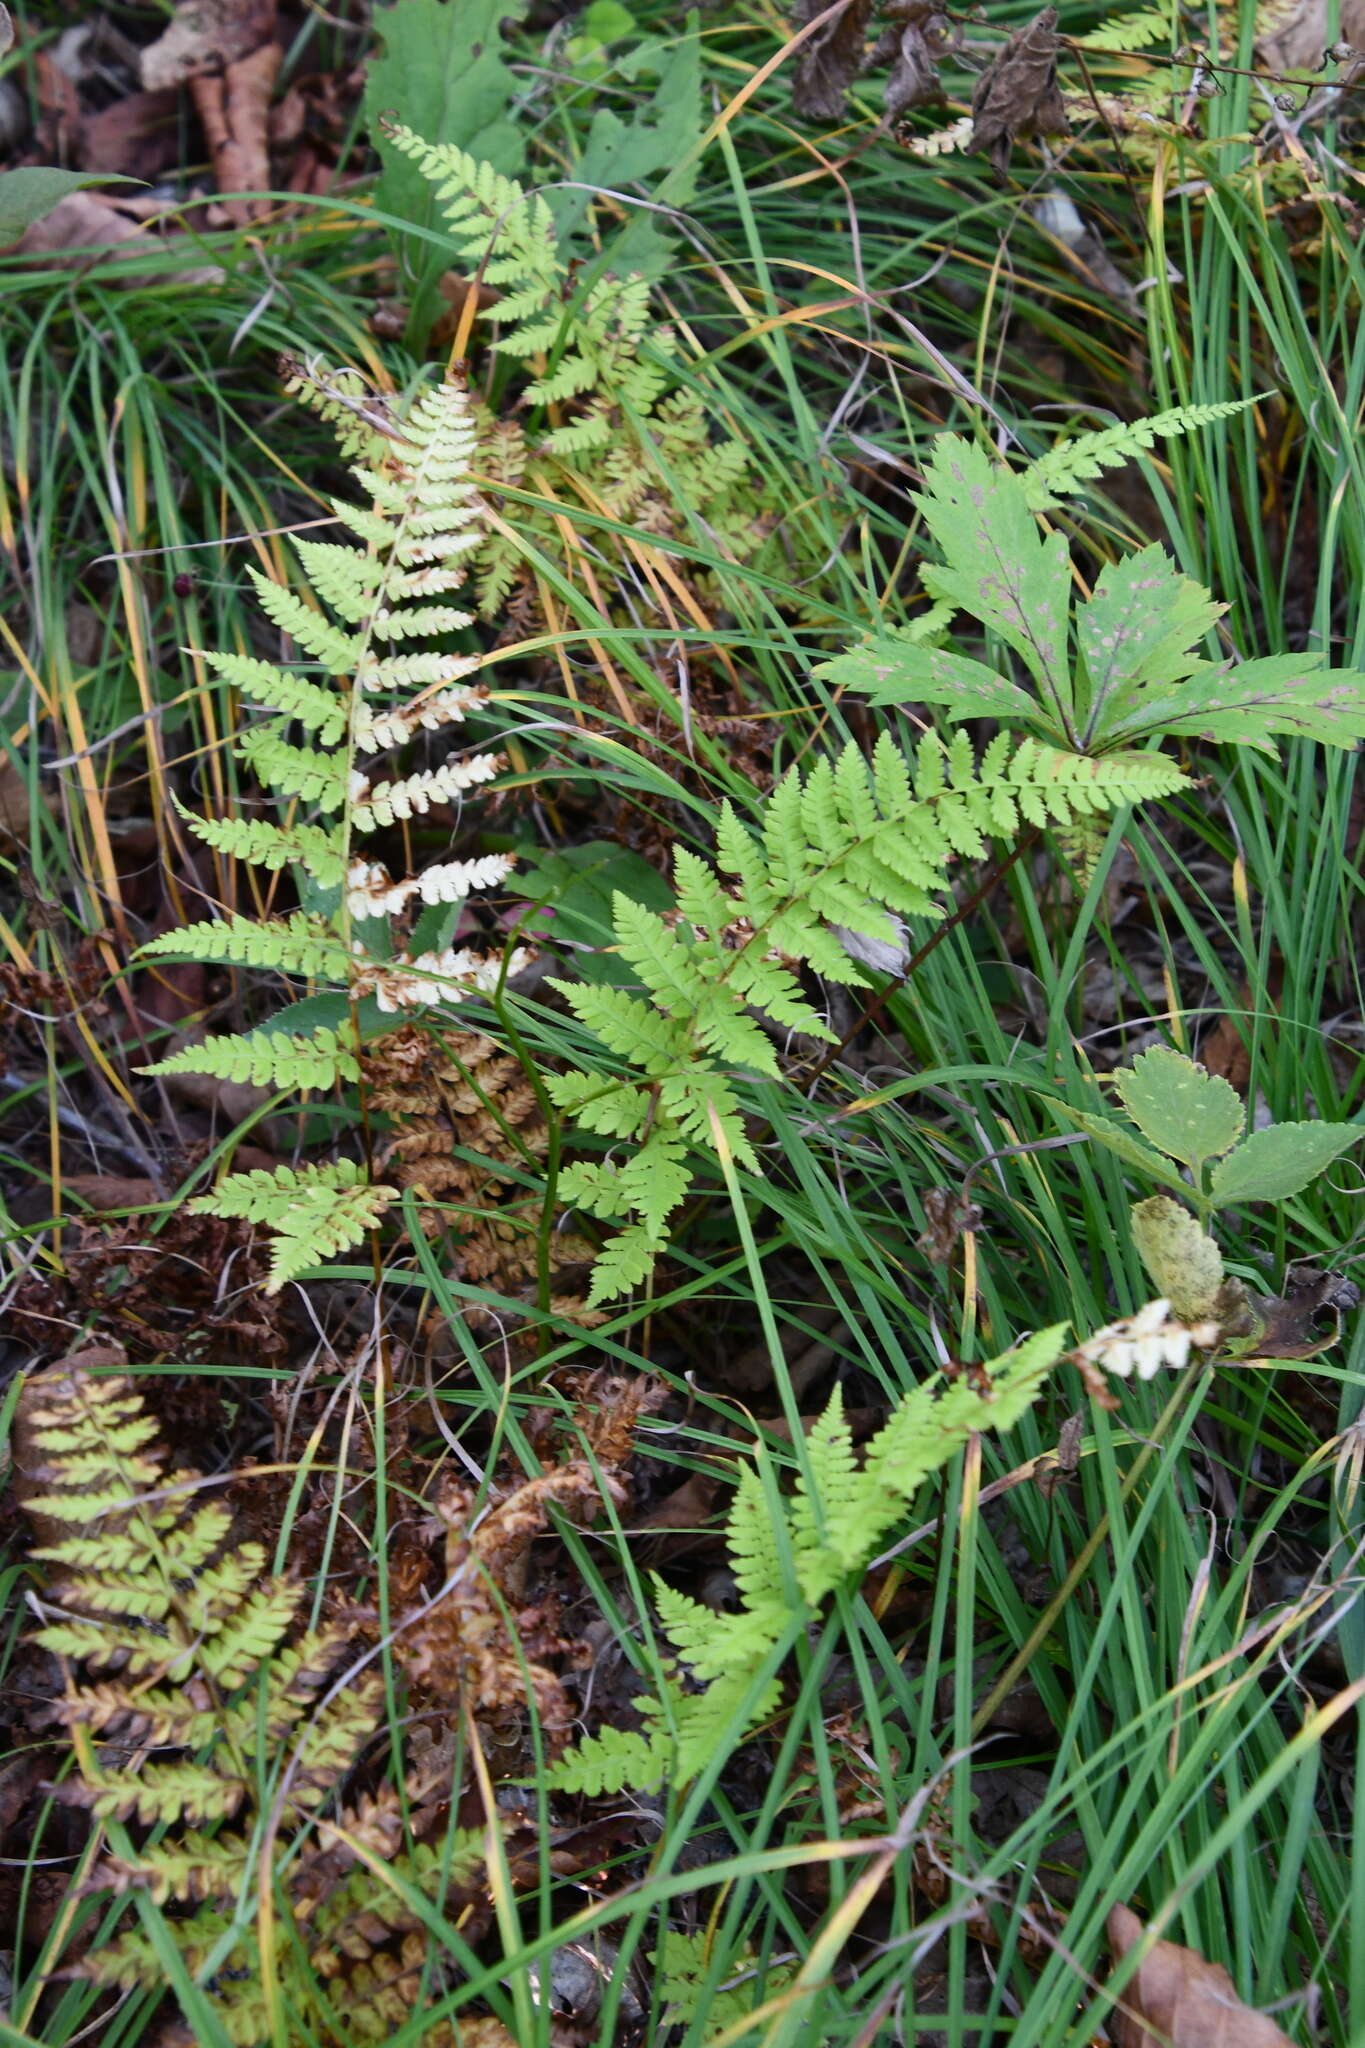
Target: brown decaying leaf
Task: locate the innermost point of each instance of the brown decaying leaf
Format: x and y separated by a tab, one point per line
137	137
234	108
459	1091
206	35
461	1647
830	60
84	224
14	811
1175	1999
1291	1326
947	1213
104	1192
1017	95
913	46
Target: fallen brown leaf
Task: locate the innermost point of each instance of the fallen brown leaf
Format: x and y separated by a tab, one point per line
234	107
102	1192
206	35
1017	94
913	48
14	811
83	224
1178	2000
136	137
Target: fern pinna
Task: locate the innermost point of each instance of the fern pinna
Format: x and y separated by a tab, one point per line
824	1537
374	635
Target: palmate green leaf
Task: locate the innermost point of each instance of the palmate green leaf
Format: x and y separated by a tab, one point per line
998	567
889	671
1135	633
1187	1113
1281	1160
30	194
445	68
621	155
1289	694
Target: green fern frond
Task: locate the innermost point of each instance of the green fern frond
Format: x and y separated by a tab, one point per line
152	1588
357	616
363	419
1071	464
845	846
840	1517
1123	33
307	627
294	771
315	1211
298	944
615	1760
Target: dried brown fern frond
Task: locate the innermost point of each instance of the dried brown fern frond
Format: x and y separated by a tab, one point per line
493	1636
450	1095
467	1129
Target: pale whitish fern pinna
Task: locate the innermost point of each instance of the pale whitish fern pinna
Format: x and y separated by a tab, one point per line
202	1722
373	687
